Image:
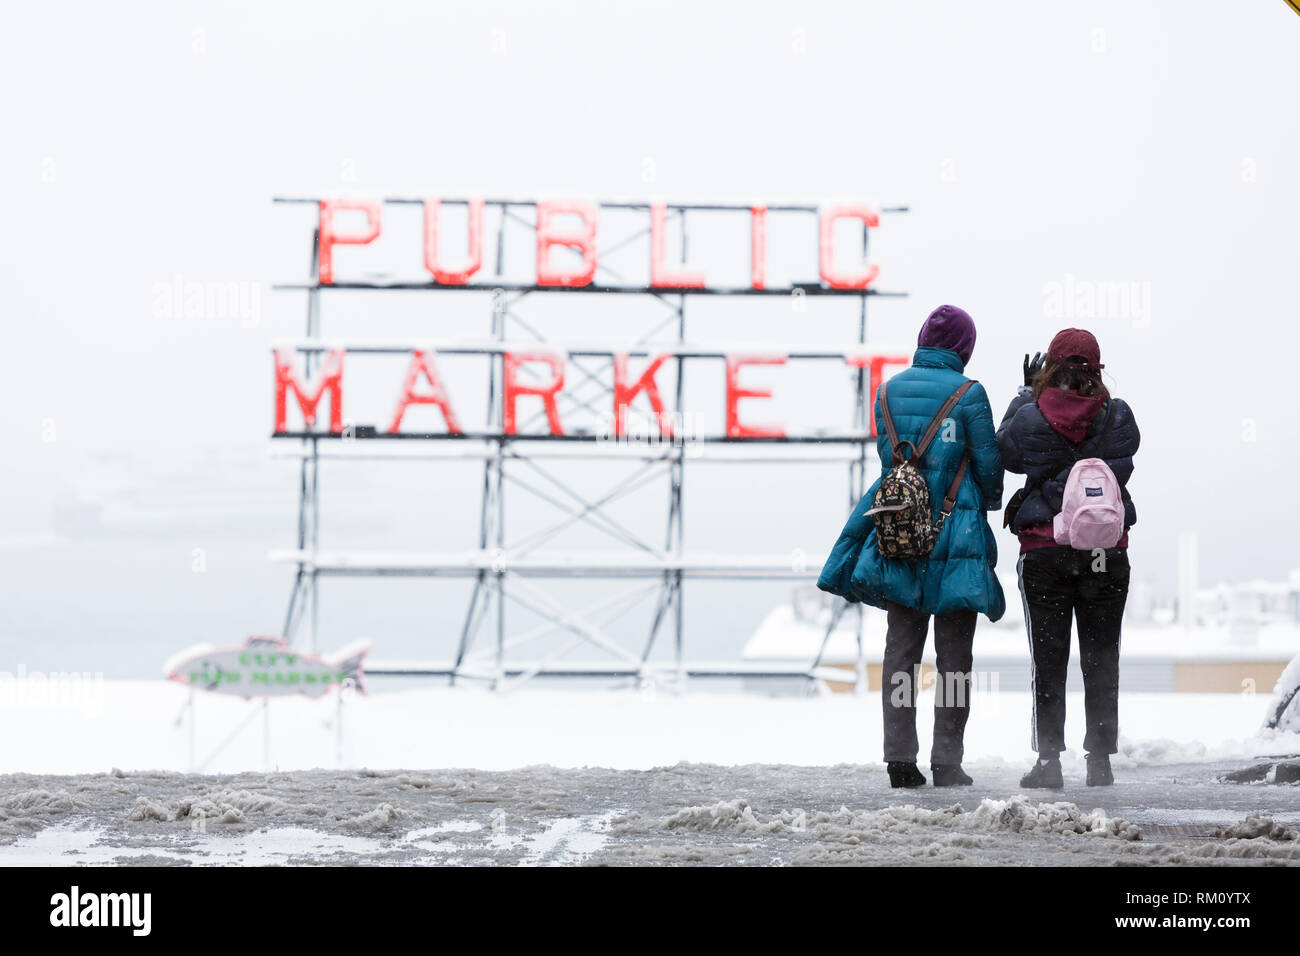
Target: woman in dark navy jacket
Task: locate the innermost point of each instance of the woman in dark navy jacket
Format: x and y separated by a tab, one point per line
1062	414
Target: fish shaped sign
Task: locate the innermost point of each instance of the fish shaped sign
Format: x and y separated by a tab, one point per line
267	667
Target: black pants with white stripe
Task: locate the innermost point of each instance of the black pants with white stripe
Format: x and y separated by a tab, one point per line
1092	587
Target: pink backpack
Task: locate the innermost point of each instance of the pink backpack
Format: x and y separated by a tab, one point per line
1092	508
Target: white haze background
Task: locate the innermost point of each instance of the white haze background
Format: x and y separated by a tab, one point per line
1154	143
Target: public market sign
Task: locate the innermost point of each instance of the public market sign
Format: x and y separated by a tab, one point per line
309	373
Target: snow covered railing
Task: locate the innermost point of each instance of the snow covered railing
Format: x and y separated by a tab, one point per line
650	670
620	450
717	350
550	564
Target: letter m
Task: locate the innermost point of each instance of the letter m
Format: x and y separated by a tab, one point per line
116	909
309	395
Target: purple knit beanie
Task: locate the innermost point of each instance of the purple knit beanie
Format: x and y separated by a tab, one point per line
949	327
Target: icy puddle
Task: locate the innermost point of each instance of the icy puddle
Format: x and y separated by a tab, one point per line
1210	817
567	840
564	841
74	846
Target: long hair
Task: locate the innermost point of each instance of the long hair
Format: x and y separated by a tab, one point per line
1079	379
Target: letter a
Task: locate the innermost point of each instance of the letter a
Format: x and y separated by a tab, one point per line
422	364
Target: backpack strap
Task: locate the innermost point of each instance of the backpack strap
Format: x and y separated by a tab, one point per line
890	430
939	418
918	448
932	429
1076	451
950	498
1105	430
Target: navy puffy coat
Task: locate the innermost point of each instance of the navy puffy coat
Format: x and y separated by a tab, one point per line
1032	447
958	575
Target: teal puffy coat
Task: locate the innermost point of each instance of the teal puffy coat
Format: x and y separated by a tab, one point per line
958	574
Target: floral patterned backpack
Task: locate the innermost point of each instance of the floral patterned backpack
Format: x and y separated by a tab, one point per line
904	526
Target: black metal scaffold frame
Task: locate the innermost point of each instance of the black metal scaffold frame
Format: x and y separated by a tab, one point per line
500	569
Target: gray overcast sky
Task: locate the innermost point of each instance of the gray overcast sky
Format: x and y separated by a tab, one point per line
1115	142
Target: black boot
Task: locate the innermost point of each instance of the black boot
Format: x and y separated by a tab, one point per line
1099	774
950	775
904	774
1046	775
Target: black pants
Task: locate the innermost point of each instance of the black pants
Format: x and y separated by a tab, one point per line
1055	583
904	643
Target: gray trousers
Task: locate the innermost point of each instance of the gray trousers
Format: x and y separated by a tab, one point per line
901	673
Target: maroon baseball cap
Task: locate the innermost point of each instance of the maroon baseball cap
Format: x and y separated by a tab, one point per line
1075	347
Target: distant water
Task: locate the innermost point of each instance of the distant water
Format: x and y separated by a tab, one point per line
99	605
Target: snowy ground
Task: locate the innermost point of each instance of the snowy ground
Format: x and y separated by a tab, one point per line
99	777
696	813
144	725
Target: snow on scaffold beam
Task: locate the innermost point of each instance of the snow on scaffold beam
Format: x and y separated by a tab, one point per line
810	288
400	668
602	204
360	434
616	564
861	354
738	453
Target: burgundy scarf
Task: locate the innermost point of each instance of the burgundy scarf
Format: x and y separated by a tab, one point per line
1069	412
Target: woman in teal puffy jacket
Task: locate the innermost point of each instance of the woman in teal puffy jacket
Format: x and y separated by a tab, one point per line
957	580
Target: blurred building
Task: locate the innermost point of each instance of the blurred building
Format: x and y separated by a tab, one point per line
1235	638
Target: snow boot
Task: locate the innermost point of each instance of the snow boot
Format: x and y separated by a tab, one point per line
1099	774
1046	775
950	775
904	774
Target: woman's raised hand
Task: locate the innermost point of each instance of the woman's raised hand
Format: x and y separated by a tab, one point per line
1033	366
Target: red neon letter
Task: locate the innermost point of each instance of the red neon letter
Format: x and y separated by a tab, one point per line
735	428
625	394
584	241
547	393
330	380
848	280
460	276
329	238
422	364
876	366
659	274
758	246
